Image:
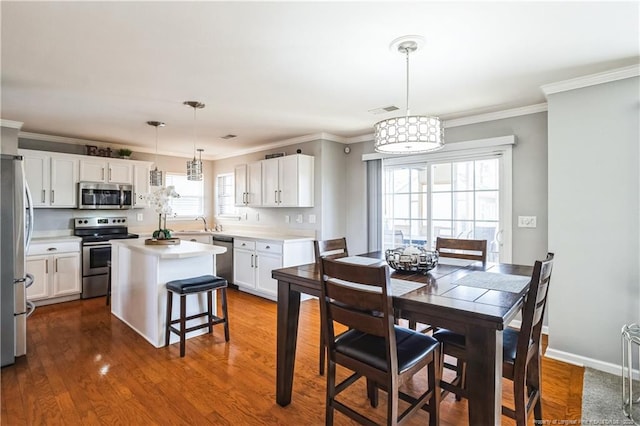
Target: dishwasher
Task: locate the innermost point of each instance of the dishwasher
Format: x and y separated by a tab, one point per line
224	262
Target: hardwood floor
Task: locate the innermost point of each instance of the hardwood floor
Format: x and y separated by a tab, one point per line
84	366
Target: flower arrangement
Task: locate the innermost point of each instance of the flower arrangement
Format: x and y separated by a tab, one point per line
159	200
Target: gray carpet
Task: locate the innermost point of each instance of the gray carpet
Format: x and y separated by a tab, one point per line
602	399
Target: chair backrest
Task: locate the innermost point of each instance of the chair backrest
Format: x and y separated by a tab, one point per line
358	297
331	249
462	249
533	310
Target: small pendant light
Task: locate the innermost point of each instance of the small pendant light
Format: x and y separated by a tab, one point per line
194	167
155	175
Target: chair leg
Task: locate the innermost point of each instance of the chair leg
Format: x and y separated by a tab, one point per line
372	393
461	372
167	332
331	388
434	370
183	323
520	401
224	312
323	353
210	310
535	381
392	403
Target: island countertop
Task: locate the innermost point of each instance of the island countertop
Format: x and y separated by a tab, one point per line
179	251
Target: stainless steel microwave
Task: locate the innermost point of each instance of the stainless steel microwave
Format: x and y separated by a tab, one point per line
97	195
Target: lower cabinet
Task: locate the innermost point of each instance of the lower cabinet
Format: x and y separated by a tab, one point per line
253	261
56	276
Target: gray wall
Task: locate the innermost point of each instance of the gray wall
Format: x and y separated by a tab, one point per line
529	180
594	219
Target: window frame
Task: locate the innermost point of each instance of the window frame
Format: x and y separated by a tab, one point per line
175	216
232	205
501	151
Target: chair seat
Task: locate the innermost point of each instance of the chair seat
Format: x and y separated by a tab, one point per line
509	342
196	284
412	347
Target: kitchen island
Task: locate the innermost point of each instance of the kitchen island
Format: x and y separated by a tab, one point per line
139	273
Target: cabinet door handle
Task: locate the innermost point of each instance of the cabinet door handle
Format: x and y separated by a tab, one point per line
56	265
52	249
280	196
46	266
52	196
103	173
268	247
252	261
256	260
109	173
43	195
276	195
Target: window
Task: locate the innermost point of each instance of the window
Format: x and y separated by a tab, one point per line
450	197
190	204
225	202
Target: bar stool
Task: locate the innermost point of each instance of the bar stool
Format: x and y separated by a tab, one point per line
630	349
196	285
108	282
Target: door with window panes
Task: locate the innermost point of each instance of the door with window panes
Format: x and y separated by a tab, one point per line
452	199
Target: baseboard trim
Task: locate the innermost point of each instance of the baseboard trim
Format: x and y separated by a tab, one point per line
583	361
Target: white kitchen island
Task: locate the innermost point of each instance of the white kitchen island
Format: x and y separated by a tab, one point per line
139	273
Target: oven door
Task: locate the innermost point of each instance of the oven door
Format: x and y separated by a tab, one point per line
94	258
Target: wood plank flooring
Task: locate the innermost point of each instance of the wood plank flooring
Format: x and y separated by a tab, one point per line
84	366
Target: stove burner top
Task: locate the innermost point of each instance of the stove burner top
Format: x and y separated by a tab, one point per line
100	238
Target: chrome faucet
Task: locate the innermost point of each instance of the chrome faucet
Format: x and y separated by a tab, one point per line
204	220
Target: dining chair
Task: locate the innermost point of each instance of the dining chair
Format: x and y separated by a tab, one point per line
331	249
521	350
457	249
358	297
462	249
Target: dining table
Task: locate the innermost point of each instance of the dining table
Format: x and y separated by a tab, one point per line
472	298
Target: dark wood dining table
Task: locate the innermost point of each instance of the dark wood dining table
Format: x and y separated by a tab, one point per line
479	313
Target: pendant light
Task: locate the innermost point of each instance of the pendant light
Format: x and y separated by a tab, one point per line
194	167
155	175
411	133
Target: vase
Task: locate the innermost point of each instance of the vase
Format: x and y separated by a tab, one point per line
162	233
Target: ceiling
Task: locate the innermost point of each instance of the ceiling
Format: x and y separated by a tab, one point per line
272	71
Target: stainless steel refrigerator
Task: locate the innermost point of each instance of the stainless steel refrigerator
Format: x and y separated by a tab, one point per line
16	229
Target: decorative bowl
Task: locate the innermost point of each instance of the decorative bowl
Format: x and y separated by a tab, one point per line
411	259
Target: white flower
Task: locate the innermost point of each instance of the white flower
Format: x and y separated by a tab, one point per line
159	199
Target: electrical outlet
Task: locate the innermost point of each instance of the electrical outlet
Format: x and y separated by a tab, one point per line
286	219
299	219
312	218
139	217
526	221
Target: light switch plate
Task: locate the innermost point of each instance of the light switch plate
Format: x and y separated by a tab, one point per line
299	219
139	217
527	221
286	219
312	218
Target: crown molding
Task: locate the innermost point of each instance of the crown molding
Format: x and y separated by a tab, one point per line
591	80
11	124
497	115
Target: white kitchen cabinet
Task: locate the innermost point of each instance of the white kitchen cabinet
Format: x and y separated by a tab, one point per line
96	169
288	181
141	184
55	267
248	184
244	252
52	178
255	259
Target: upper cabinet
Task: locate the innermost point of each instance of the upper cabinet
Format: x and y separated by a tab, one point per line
288	181
248	184
52	178
141	184
96	169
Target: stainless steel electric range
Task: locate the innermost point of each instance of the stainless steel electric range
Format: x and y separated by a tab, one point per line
96	232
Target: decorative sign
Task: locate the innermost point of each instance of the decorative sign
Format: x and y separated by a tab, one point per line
98	152
276	155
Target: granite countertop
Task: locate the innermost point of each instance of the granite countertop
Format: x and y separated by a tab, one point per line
245	233
179	251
